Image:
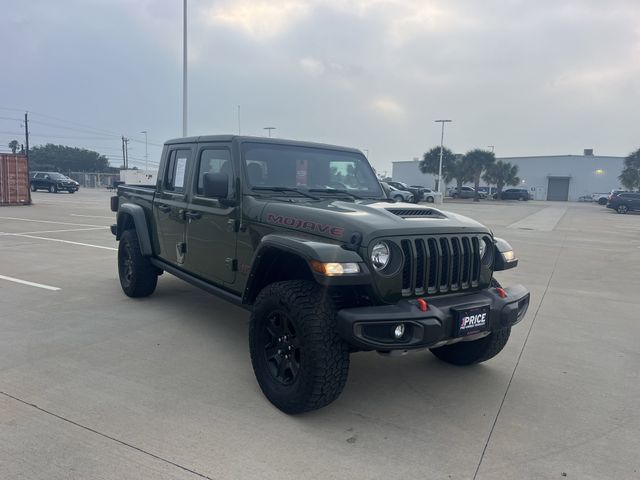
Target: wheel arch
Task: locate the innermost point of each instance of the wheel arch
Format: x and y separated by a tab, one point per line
280	257
131	216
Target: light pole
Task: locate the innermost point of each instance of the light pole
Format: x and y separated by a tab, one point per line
269	130
441	150
184	69
146	152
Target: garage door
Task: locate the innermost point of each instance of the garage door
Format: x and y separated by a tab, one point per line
558	189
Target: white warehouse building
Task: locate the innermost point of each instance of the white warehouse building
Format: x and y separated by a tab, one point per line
552	177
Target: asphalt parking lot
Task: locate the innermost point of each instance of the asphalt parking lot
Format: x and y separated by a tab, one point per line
96	385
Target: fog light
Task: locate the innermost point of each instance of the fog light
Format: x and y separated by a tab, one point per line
398	331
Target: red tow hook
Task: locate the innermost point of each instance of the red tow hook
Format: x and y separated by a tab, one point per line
422	303
501	292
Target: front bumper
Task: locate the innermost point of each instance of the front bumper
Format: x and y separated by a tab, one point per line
371	328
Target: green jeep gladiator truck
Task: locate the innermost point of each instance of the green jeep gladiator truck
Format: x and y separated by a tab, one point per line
304	237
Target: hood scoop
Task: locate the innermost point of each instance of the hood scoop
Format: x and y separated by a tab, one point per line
416	212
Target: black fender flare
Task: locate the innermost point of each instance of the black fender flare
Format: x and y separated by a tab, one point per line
307	250
136	213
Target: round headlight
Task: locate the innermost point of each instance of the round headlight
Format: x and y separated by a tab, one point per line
380	255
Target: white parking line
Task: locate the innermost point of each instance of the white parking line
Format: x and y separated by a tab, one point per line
61	241
90	216
50	221
32	284
55	231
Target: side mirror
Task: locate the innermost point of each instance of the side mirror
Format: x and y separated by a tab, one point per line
216	185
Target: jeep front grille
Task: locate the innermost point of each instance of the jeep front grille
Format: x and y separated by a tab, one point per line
441	264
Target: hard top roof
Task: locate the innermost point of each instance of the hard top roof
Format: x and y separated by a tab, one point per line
244	138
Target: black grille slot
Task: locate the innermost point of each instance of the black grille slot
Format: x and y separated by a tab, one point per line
420	267
406	267
475	264
466	262
440	264
456	259
445	269
434	260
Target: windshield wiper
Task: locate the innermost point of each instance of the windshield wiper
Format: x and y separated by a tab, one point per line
336	190
286	189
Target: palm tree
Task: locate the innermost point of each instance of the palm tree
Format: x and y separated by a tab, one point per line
430	162
458	170
477	161
630	176
13	145
501	174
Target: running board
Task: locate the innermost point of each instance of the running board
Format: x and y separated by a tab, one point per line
196	282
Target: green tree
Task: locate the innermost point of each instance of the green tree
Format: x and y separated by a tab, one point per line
459	172
630	176
501	174
65	159
431	161
477	161
13	145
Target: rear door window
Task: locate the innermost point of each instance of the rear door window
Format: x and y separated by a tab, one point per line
176	171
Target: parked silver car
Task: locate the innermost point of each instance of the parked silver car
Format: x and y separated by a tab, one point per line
398	195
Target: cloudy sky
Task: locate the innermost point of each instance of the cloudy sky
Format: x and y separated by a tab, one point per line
530	77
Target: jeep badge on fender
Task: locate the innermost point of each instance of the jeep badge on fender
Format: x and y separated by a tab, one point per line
304	237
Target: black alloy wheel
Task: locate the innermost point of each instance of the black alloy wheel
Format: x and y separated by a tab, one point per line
622	209
281	347
299	360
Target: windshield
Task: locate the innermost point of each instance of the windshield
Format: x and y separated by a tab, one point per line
57	176
307	168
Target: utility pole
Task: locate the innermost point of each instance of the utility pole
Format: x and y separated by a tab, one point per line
26	141
269	130
441	151
239	132
491	147
184	70
146	152
125	152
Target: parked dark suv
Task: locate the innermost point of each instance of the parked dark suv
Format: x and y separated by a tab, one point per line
53	182
624	202
513	194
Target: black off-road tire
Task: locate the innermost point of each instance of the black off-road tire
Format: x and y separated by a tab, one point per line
477	351
322	357
138	277
623	209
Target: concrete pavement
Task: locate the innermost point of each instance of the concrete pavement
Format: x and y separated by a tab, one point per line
96	385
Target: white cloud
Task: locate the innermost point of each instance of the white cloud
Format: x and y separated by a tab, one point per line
388	107
260	19
312	66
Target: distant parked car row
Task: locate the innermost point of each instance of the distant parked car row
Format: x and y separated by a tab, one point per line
53	182
624	201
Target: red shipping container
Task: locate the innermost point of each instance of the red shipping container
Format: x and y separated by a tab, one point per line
14	180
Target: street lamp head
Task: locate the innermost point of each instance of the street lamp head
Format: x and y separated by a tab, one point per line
442	121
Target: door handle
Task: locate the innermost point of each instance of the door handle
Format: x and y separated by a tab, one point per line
192	215
164	208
